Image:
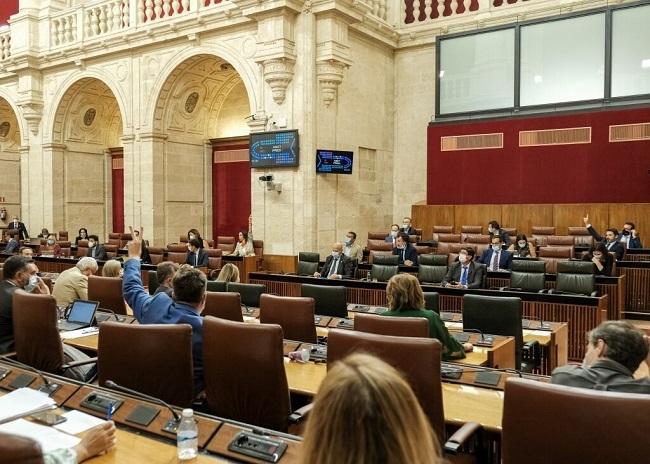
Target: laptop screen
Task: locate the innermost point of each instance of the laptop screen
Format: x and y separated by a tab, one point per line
83	311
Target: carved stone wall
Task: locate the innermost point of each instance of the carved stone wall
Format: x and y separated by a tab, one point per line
9	162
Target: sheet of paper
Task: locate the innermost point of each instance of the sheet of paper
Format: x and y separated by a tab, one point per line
78	422
79	333
23	401
48	437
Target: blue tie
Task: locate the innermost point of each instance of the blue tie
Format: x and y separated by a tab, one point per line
463	276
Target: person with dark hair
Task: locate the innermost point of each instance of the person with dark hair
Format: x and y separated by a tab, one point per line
26	251
16	275
83	235
629	236
392	234
406	253
44	233
196	256
351	248
12	246
185	307
19	227
615	350
51	248
522	248
95	249
495	229
194	233
602	259
495	257
465	273
165	274
245	241
405	299
406	226
611	238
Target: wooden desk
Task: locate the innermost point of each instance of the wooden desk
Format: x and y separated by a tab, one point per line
581	313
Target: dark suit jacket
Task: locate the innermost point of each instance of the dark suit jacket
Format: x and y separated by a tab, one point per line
7	290
616	247
633	243
608	265
345	267
12	247
505	238
474	276
22	230
100	252
202	258
409	231
505	260
407	254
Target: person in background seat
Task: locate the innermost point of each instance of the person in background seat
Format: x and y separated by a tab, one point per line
602	259
229	273
611	239
465	273
522	248
406	253
495	257
351	248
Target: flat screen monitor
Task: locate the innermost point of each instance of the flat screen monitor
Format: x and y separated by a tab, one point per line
274	149
334	162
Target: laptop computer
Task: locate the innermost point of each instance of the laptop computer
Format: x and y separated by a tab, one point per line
81	315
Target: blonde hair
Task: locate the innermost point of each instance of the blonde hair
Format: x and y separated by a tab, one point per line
404	293
229	273
365	412
111	268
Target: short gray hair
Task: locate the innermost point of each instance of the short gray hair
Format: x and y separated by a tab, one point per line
87	262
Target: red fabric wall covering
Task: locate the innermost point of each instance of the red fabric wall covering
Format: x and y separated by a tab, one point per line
231	194
117	177
598	172
7	8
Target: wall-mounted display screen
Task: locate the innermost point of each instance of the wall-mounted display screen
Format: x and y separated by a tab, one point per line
334	162
274	149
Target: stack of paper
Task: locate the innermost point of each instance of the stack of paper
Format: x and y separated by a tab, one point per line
24	402
48	437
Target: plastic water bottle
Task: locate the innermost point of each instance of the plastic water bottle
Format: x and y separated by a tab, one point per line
187	437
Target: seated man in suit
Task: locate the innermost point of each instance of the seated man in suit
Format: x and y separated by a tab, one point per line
352	249
495	257
12	246
337	265
197	256
615	350
407	254
95	250
72	284
392	234
495	229
610	240
184	307
465	273
406	226
629	236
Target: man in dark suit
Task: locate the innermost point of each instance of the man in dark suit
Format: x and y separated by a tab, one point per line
610	240
406	226
495	258
15	224
95	250
337	265
406	253
16	274
12	246
465	273
495	229
197	256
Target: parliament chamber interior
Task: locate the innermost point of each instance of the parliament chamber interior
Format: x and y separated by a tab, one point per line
352	231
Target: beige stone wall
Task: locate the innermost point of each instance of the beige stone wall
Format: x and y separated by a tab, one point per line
9	162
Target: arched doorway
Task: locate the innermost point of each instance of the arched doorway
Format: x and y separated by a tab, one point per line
202	107
86	139
10	143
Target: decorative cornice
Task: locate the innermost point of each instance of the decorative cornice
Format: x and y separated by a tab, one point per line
330	76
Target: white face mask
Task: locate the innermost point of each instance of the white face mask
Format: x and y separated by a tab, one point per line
347	241
522	244
393	233
192	236
462	258
31	285
50	242
91	244
496	247
491	229
405	226
335	254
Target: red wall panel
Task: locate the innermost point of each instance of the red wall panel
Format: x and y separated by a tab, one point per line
231	195
7	8
597	172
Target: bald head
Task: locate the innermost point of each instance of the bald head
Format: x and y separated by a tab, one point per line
338	246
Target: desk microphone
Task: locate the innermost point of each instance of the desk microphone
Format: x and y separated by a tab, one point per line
48	387
542	325
117	318
489	341
170	426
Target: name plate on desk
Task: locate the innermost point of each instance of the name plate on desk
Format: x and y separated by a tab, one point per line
259	447
347	324
101	402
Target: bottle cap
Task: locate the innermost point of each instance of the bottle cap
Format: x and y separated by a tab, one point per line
188	412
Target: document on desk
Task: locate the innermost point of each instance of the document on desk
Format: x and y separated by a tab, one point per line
49	438
78	422
79	333
24	402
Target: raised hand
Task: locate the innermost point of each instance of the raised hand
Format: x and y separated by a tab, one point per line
586	219
134	247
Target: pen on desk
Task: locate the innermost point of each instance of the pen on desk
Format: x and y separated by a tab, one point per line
109	411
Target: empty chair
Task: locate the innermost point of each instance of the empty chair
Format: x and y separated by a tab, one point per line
432	268
143	356
82	248
384	267
250	293
448	238
575	277
217	286
226	244
541	233
308	263
111	250
294	314
224	305
496	316
528	275
156	254
580	425
474	238
471	229
66	248
114	239
63	235
377	235
379	245
328	300
258	248
177	253
108	291
258	394
397	326
581	236
560	240
214	259
554	254
372	254
431	301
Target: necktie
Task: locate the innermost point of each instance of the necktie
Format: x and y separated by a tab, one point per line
196	259
495	261
463	276
335	265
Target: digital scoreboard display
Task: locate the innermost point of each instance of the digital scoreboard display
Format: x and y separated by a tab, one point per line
334	162
274	149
